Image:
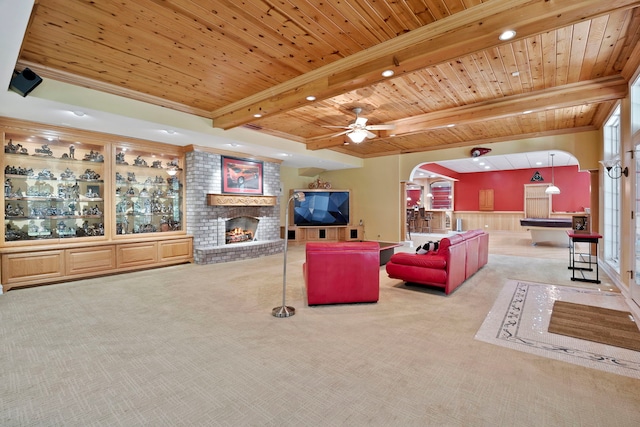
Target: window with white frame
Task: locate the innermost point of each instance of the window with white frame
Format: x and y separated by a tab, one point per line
611	194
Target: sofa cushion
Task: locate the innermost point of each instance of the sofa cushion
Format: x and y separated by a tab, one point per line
430	260
471	233
449	241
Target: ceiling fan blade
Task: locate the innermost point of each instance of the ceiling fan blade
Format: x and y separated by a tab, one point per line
380	127
370	134
336	127
361	121
341	133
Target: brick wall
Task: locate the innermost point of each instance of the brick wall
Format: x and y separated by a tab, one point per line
206	223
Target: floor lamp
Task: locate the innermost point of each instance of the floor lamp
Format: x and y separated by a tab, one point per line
284	310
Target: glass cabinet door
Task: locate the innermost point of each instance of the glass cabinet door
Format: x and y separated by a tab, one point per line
53	188
148	192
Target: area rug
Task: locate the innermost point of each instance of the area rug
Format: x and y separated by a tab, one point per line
520	320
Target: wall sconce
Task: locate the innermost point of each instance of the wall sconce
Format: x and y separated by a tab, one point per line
614	168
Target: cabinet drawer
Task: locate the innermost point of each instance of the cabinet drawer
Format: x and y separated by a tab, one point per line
172	250
134	254
90	260
32	267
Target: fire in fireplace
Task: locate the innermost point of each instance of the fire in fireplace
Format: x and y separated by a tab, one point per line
240	229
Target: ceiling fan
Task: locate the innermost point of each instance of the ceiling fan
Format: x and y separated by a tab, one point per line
358	130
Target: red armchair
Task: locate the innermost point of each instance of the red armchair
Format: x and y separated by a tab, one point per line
342	272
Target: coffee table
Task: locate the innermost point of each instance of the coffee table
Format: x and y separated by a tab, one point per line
386	250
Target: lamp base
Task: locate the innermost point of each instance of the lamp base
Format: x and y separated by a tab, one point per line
283	311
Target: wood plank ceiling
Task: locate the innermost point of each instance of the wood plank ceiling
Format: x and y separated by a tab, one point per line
229	60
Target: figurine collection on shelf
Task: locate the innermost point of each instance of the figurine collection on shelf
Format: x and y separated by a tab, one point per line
46	151
143	200
53	201
47	210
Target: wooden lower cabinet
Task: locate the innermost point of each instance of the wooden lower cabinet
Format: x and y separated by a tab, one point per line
135	254
90	260
32	267
26	267
174	250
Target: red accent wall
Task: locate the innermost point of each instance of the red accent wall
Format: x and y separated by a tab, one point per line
508	186
414	195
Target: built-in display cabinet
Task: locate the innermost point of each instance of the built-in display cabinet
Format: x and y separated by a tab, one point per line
148	193
51	189
78	204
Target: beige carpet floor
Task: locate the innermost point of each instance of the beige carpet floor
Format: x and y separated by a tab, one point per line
196	345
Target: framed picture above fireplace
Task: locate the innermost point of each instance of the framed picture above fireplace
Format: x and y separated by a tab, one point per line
241	176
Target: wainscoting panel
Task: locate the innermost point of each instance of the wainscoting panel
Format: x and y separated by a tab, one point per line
498	221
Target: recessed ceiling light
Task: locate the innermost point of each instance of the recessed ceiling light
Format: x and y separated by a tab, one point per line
234	144
507	35
481	163
257	115
170	131
387	73
515	73
487	167
79	113
285	155
538	163
475	159
311	98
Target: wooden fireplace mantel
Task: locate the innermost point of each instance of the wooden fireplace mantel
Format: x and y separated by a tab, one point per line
240	200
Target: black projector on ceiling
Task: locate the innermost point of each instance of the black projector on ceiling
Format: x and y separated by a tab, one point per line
25	82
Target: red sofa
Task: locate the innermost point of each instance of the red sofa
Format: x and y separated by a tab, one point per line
342	272
458	257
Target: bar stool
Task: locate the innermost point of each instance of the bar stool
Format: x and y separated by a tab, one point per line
425	221
411	221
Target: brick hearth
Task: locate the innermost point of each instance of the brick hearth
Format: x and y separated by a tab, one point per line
207	223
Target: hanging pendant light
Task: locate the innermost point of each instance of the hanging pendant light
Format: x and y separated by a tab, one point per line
552	189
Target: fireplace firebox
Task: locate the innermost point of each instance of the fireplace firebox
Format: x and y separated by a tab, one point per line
240	229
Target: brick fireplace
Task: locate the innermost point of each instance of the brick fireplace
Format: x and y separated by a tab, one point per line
208	223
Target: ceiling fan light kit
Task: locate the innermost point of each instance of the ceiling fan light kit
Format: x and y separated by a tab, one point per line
358	130
357	136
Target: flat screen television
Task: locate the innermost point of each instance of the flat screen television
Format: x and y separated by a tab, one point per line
322	207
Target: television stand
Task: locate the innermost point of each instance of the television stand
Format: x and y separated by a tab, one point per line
325	233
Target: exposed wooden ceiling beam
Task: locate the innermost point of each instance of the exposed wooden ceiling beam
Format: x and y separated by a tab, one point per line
594	91
469	31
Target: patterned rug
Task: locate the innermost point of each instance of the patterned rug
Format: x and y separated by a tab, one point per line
520	318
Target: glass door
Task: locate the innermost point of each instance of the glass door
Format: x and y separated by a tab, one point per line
635	287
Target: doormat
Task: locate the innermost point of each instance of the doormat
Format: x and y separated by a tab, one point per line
597	324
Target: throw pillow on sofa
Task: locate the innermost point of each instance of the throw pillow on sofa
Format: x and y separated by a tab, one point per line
427	247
